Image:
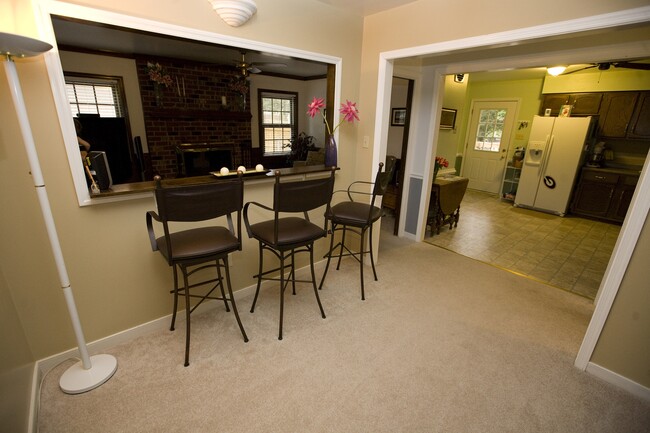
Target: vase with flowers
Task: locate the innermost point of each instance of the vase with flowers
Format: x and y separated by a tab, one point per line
160	77
350	113
440	163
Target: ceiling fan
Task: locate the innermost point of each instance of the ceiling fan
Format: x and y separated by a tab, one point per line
252	68
604	66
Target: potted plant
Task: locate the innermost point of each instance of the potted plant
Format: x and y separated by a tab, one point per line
300	145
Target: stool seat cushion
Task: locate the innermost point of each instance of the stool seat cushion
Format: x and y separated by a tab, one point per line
203	241
291	231
353	213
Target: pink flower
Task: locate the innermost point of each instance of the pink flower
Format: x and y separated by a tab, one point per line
348	110
315	106
441	162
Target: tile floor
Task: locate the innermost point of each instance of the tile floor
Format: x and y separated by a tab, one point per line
568	252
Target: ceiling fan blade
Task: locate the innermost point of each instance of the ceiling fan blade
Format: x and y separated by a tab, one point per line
273	64
578	70
629	65
253	69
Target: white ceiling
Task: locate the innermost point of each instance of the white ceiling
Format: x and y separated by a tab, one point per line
366	7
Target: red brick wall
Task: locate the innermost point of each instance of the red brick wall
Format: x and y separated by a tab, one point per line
190	111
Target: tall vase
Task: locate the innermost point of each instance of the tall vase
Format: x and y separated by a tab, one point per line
157	91
241	102
435	172
331	158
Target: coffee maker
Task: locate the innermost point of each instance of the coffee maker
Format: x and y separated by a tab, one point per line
596	155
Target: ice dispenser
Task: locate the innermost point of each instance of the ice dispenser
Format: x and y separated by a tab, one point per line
535	152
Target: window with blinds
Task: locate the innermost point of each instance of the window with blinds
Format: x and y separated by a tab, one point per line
278	123
95	95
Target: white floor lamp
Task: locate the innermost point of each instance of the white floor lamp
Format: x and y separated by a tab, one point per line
93	371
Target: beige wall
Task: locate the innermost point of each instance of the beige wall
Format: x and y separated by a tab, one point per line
624	344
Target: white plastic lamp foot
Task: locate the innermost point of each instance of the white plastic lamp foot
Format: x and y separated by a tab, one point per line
76	379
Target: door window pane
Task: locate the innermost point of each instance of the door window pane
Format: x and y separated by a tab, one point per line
489	130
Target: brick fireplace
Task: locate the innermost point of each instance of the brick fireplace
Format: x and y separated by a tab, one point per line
190	112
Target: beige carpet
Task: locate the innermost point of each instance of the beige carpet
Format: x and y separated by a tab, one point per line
443	343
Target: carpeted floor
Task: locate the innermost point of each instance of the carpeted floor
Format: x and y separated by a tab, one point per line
443	343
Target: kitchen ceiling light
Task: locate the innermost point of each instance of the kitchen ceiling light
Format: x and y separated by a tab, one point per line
234	12
556	70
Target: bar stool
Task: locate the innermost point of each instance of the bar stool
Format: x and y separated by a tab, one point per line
285	236
358	218
195	249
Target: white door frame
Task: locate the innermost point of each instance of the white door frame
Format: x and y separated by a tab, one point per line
640	204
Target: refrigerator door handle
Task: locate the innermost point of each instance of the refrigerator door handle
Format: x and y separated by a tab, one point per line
542	171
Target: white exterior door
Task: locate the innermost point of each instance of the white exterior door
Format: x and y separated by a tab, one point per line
488	138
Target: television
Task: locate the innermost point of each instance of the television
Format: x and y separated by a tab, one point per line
100	170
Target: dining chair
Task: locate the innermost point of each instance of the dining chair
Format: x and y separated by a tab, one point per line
289	232
192	250
358	217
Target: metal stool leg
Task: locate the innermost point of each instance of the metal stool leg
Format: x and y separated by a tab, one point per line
232	300
259	278
372	259
329	257
220	282
187	317
171	328
342	246
363	234
313	279
281	294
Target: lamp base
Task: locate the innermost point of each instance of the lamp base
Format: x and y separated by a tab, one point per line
76	379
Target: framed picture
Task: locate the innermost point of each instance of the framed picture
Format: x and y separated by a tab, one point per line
398	117
448	118
565	110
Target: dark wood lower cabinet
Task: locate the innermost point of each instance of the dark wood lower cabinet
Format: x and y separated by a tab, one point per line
604	193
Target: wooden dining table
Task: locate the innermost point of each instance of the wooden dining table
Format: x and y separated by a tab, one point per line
444	205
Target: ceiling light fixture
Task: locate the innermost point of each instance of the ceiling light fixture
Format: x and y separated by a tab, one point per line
234	12
556	70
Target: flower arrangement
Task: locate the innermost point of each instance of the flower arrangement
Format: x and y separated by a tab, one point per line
440	163
158	75
348	110
239	85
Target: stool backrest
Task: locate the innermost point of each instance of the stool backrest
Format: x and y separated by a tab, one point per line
383	178
201	202
302	196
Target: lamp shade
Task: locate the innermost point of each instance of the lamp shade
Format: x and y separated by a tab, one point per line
234	12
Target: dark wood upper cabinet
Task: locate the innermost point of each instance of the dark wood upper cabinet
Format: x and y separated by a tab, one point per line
584	104
640	123
615	114
620	114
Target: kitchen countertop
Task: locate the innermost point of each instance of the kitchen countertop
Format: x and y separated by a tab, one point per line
630	170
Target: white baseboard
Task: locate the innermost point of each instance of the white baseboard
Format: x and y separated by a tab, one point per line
37	379
619	381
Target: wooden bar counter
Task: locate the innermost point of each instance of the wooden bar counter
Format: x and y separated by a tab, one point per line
250	175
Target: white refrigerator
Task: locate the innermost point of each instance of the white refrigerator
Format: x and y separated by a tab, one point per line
555	151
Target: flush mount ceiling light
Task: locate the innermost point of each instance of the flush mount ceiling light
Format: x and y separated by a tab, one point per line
556	70
234	12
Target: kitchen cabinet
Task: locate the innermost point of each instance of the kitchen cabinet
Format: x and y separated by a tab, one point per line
615	114
620	114
640	122
584	104
604	193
